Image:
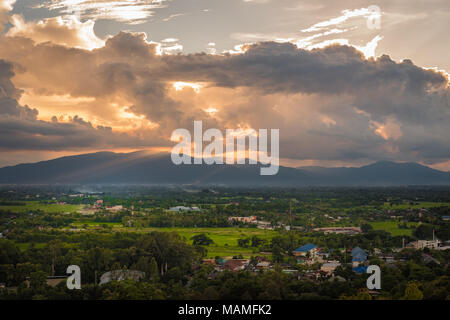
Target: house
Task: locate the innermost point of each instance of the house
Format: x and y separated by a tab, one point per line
360	269
330	266
98	203
235	264
358	256
266	225
422	244
339	230
429	259
309	248
209	262
114	208
251	219
389	259
183	209
263	265
446	218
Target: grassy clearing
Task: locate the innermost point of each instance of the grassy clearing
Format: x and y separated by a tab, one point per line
392	227
40	245
415	205
94	224
225	239
35	205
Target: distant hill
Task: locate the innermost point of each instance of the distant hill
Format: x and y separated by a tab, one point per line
379	173
144	168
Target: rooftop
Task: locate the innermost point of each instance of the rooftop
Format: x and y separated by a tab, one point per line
306	248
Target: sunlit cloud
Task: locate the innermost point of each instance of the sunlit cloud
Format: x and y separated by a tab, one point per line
68	31
128	11
390	130
211	111
346	14
180	85
172	16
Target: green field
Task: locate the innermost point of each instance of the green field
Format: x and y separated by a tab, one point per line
225	239
392	227
50	208
94	224
40	245
416	205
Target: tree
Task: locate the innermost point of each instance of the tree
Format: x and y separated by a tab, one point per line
38	280
201	240
244	243
365	227
424	231
54	250
412	292
153	269
257	241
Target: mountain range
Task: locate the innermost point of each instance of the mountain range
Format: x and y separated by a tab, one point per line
157	169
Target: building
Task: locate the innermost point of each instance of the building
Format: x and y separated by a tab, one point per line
266	225
98	203
263	265
250	219
340	230
209	262
446	218
359	256
309	248
183	209
429	259
360	269
330	266
235	264
114	208
422	244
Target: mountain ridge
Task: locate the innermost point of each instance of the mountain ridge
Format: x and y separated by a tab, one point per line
141	167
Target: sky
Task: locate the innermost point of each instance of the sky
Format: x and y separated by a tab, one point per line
346	82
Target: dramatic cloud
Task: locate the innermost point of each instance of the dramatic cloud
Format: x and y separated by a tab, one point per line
21	130
331	102
129	11
69	31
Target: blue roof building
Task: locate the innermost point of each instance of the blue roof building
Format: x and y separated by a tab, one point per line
360	269
358	250
306	248
359	258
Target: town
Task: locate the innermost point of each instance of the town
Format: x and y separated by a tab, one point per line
221	243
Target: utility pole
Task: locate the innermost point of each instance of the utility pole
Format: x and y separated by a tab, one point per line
290	212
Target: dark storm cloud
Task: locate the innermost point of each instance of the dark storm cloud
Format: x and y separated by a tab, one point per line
21	130
332	102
